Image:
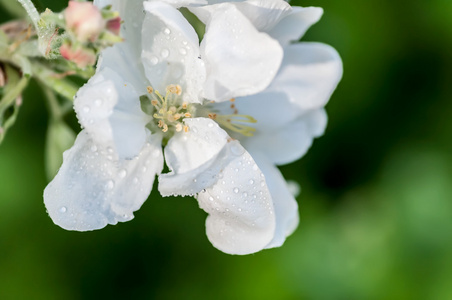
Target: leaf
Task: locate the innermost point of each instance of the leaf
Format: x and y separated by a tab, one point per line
60	137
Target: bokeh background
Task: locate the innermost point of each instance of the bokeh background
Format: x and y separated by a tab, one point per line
375	206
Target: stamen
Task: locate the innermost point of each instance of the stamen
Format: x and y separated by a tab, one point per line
169	110
234	123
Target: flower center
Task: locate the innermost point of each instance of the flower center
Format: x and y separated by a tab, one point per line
168	111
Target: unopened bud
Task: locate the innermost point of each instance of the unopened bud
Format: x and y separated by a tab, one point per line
114	25
85	20
80	56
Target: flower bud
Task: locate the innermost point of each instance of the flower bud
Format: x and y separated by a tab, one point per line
82	57
114	25
85	20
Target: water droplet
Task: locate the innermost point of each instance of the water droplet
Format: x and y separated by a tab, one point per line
63	209
237	149
167	31
98	102
110	184
164	53
236	190
245	194
110	150
210	198
183	51
251	181
236	170
93	148
262	183
135	180
255	167
239	209
194	129
86	109
144	169
154	60
122	173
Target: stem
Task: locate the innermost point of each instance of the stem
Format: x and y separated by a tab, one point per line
31	11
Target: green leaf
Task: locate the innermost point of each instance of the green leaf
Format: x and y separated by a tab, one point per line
60	137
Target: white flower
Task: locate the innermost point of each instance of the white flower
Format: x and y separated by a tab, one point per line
109	172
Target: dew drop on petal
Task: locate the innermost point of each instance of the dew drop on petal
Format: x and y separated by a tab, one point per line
167	31
164	53
110	184
63	209
122	173
236	190
183	51
98	102
237	150
251	181
86	109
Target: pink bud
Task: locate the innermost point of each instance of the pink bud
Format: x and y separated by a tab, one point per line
85	20
114	25
80	56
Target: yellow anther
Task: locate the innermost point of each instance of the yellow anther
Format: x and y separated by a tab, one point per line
177	117
232	99
161	123
213	116
174	89
150	89
165	128
187	115
179	127
186	129
154	102
184	105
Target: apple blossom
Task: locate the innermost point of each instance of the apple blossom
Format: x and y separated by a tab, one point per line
226	110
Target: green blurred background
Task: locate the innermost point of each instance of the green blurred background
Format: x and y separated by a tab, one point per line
375	206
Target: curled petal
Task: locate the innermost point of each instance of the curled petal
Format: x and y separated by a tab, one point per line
108	107
239	59
241	214
93	189
263	14
195	158
309	74
124	58
171	51
292	141
293	26
286	207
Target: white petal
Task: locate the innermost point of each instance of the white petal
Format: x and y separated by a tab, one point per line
263	14
293	27
109	109
124	58
239	59
195	158
290	142
93	189
180	3
171	51
286	207
241	214
309	74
